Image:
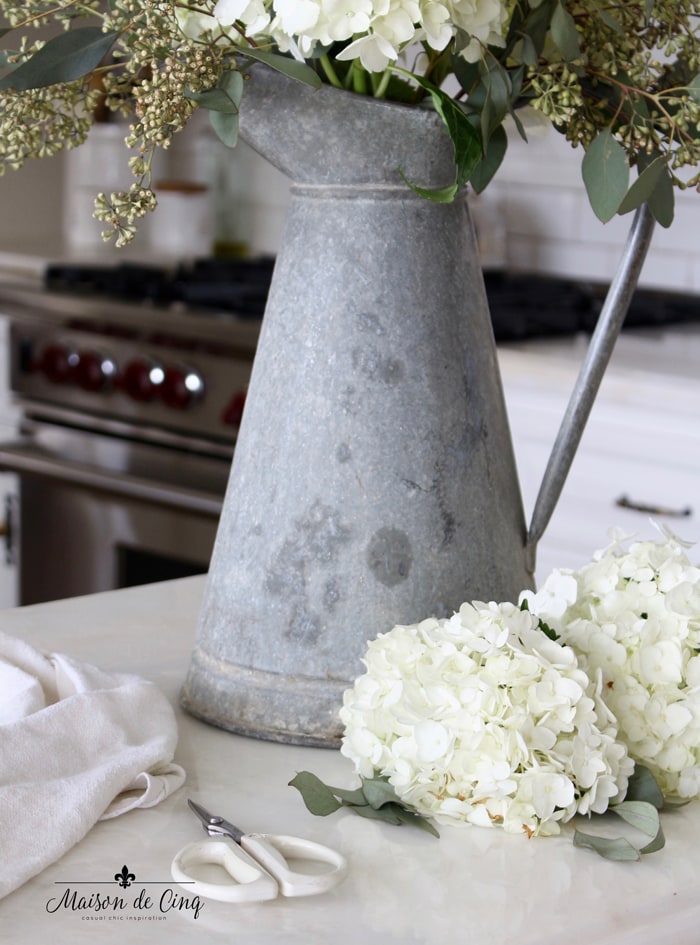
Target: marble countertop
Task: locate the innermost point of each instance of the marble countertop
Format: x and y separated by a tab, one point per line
404	887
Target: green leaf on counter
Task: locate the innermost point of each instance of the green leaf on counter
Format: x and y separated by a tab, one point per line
396	814
64	58
638	814
658	843
284	64
610	849
377	792
386	813
374	800
642	786
605	174
317	796
412	819
564	33
640	810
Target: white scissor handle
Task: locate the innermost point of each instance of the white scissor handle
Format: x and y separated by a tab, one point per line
250	882
273	850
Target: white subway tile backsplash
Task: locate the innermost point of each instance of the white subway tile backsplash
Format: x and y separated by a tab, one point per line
542	213
550	227
667	270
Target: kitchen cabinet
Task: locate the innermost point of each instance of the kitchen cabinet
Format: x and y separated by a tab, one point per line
642	441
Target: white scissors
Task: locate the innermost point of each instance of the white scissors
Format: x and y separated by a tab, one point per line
255	862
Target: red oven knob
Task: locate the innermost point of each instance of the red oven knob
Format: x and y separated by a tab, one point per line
95	371
233	412
141	379
182	386
57	363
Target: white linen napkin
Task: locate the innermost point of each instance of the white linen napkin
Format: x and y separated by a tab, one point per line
77	745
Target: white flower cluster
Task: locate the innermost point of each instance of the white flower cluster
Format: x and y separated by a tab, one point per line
482	719
377	30
634	616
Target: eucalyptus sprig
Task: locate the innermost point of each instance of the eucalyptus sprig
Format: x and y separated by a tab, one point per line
619	79
640	809
375	799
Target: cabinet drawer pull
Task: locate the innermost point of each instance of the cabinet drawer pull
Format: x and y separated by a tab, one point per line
626	503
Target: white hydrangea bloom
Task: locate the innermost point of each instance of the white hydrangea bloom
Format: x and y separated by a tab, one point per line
483	719
252	14
635	619
377	31
194	25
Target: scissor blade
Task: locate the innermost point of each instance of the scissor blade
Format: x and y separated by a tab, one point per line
215	825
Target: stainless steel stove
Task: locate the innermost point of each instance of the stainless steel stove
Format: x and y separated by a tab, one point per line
130	408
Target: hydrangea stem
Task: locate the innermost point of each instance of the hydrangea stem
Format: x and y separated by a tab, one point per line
382	85
331	74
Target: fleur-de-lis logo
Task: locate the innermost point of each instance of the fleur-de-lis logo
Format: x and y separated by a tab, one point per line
125	878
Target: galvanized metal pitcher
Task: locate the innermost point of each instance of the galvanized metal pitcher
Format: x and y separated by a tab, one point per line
374	480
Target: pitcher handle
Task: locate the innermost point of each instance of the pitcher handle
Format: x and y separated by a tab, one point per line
590	376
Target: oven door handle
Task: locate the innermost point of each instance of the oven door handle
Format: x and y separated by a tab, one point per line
21	458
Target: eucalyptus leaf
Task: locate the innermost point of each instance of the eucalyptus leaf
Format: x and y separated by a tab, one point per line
224	97
610	20
216	100
639	814
642	786
694	89
351	797
605	174
538	22
526	51
658	843
564	33
64	58
675	804
225	124
610	849
387	813
519	125
411	818
375	800
662	200
317	796
378	792
644	186
289	67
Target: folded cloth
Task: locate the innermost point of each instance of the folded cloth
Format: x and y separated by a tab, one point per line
77	745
